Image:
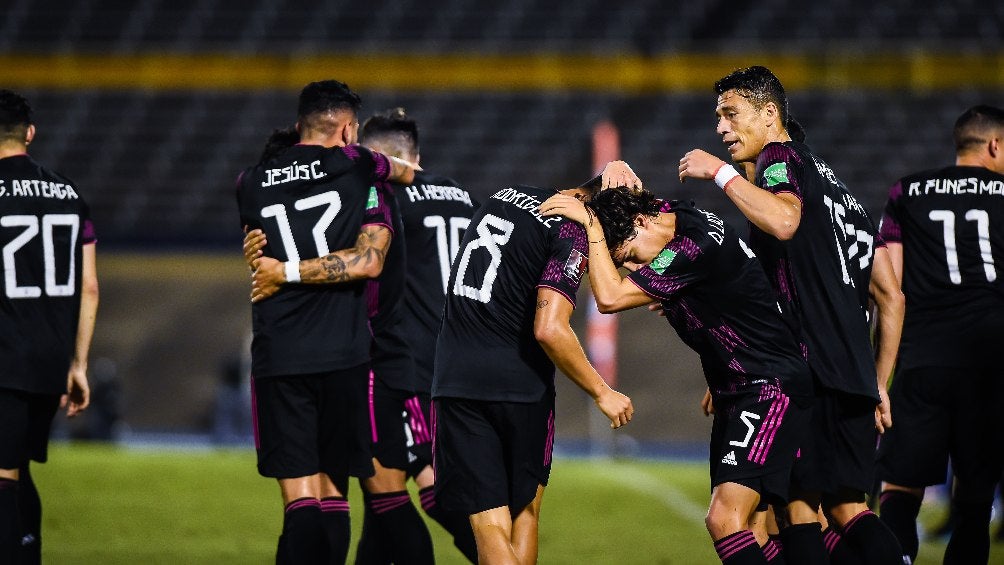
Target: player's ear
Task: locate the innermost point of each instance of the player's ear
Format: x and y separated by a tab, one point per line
994	147
29	134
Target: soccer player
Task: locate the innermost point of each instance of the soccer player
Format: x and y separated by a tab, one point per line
405	317
505	327
323	197
435	212
820	251
944	231
47	311
717	297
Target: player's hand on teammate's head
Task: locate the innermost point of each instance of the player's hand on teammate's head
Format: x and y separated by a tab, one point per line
569	207
267	279
699	164
619	174
615	406
254	242
78	391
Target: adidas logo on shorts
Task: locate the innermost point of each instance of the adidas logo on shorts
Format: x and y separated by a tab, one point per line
730	458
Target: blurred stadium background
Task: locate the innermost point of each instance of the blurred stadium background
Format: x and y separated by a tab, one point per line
153	107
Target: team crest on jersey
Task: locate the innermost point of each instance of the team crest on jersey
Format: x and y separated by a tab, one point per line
575	265
373	201
662	261
776	174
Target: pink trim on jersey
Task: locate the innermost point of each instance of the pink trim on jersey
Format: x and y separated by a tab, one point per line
391	228
559	291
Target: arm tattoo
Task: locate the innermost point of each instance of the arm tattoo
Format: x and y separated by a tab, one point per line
541	304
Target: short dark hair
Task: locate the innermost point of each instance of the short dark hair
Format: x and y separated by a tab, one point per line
15	116
758	85
279	141
617	208
975	125
391	127
325	96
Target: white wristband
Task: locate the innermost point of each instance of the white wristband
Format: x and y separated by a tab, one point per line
292	269
725	174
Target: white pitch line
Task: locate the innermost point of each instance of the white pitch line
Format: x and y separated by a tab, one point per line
670	496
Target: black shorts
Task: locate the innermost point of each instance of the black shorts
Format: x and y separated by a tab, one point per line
419	430
838	453
387	421
754	440
941	412
25	421
491	454
306	424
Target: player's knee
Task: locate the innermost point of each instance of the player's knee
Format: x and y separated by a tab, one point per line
723	519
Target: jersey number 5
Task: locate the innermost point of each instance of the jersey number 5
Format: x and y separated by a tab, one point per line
31	229
491	242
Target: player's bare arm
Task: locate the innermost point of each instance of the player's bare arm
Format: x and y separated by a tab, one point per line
363	261
78	392
885	291
777	214
896	256
553	332
402	171
612	292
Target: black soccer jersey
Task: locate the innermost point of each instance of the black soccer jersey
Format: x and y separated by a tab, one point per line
436	213
821	275
486	348
310	201
716	295
951	224
391	355
43	225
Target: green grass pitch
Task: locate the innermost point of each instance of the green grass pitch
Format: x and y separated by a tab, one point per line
112	505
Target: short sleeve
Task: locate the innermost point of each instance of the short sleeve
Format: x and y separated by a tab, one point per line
376	165
777	170
680	264
889	228
378	210
568	260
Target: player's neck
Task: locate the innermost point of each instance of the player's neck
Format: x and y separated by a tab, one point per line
665	225
972	160
12	150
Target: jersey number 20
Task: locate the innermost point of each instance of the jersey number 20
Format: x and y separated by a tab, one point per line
30	225
490	241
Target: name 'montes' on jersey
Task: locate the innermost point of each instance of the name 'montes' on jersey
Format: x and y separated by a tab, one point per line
486	348
436	212
716	296
311	201
821	275
950	222
44	224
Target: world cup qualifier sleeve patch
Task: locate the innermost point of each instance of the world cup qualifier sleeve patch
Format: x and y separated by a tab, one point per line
662	261
575	265
776	174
